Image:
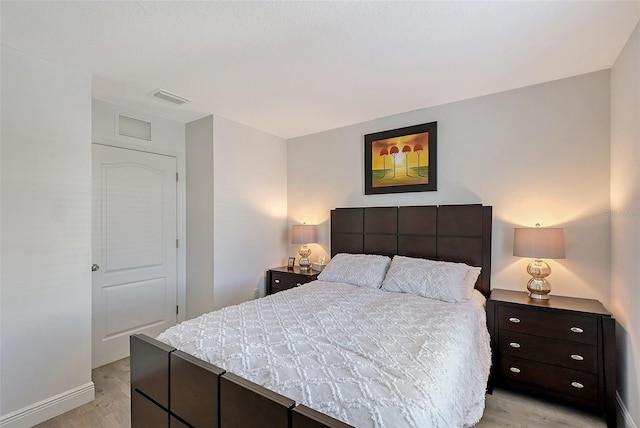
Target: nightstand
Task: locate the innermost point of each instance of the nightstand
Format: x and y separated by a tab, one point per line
562	348
283	278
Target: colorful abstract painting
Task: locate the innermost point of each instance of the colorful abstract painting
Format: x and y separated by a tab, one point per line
401	160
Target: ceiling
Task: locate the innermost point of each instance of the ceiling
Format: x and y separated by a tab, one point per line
296	68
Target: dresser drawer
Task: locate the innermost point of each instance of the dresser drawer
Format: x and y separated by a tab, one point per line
573	383
277	288
572	355
283	281
521	319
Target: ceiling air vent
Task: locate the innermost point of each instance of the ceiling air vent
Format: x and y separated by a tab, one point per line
130	127
168	96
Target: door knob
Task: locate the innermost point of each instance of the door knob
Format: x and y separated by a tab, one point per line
94	267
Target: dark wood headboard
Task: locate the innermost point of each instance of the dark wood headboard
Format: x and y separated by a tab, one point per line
455	233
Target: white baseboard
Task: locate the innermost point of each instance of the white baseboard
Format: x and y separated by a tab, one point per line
626	422
49	408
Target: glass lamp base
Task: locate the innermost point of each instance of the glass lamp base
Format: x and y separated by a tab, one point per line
304	262
538	286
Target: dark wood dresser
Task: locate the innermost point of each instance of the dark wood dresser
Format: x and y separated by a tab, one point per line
284	278
562	348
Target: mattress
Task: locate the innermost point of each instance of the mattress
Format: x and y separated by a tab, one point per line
368	357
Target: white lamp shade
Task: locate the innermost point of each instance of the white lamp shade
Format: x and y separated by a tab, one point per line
304	233
538	242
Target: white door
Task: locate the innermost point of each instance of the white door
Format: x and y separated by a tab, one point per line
134	248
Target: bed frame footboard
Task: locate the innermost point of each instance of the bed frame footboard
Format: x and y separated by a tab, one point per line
194	390
246	404
149	381
305	417
170	388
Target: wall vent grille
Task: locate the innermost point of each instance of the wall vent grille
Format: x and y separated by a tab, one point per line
134	128
171	97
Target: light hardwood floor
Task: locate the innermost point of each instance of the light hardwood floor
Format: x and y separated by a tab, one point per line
111	407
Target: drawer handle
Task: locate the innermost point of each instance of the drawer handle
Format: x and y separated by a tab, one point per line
514	320
514	344
577	357
577	385
577	330
514	369
277	281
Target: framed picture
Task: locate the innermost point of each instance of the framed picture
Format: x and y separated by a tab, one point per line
291	262
401	160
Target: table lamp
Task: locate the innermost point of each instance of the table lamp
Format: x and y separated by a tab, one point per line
304	234
538	243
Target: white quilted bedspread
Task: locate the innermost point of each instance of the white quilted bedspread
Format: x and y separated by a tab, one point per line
368	357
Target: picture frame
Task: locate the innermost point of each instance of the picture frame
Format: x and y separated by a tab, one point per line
291	262
401	160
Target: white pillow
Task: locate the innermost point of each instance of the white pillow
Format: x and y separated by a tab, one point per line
364	270
446	281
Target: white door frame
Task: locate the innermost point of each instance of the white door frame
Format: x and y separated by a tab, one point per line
181	212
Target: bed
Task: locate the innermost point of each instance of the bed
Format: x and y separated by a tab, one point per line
352	356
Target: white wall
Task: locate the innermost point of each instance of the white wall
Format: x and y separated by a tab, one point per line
45	306
199	150
625	219
167	138
250	209
536	154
